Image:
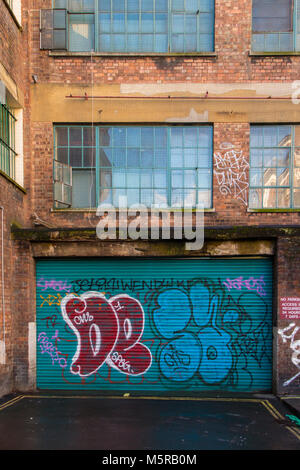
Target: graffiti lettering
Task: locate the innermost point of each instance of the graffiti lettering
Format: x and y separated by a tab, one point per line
250	284
109	331
294	346
210	336
48	347
201	333
51	300
132	285
85	318
231	172
53	284
121	362
51	319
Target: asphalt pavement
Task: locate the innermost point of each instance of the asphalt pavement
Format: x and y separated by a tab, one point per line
65	422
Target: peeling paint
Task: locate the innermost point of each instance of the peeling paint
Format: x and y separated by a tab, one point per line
193	116
255	89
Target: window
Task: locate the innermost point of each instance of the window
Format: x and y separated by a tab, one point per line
15	6
7	141
137	26
162	166
276	25
274	167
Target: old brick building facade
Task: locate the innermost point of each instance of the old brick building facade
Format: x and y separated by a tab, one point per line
204	98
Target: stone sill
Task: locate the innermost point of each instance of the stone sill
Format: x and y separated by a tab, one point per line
131	54
277	211
66	211
11	180
273	54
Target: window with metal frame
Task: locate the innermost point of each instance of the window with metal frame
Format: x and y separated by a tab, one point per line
7	141
276	25
138	26
274	167
161	166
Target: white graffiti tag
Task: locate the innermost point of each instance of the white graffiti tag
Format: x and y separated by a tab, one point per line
230	168
294	345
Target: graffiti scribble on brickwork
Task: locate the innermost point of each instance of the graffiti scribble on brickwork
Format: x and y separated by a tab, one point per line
294	346
230	168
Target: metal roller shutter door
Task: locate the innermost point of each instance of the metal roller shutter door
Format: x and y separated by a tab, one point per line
154	325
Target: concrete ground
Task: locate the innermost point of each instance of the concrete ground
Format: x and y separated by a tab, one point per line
55	422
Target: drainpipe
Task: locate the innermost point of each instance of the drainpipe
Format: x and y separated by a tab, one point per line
2	343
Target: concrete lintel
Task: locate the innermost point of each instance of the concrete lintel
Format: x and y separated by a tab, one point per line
153	249
210	233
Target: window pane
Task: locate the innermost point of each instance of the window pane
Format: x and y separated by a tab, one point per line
296	198
62	155
255	198
89	139
81	32
272	15
190	157
105	158
270	157
59	19
283	157
297	157
269	198
256	177
76	157
160	198
84	189
89	157
283	197
136	162
105	135
283	177
204	198
271	166
61	136
75	136
133	157
176	158
297	177
256	158
270	136
150	26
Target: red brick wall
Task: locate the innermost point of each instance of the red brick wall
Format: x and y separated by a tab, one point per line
13	58
232	64
11	199
12	49
288	285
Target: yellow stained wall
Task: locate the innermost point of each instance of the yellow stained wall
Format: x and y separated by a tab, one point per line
130	103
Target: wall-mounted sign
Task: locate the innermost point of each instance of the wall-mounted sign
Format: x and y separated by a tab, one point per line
290	307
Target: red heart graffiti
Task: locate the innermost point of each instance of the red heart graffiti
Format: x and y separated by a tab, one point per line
107	331
96	326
